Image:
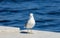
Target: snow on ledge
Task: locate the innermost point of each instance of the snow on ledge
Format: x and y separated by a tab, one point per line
12	32
9	29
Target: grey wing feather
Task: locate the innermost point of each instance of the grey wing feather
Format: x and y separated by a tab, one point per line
25	24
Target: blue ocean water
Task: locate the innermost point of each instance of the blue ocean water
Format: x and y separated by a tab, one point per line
15	13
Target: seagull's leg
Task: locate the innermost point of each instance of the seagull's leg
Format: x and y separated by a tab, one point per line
27	30
30	30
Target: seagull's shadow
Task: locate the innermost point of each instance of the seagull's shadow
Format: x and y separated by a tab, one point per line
24	32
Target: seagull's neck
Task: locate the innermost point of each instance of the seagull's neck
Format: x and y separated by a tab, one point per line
31	17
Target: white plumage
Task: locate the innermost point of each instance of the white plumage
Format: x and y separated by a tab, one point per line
31	22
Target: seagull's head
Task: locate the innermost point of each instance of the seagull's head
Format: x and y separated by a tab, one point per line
31	14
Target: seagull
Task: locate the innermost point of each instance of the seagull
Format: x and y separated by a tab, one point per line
30	23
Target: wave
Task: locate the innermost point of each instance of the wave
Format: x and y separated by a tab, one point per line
54	13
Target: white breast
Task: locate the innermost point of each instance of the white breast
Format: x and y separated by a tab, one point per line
31	22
